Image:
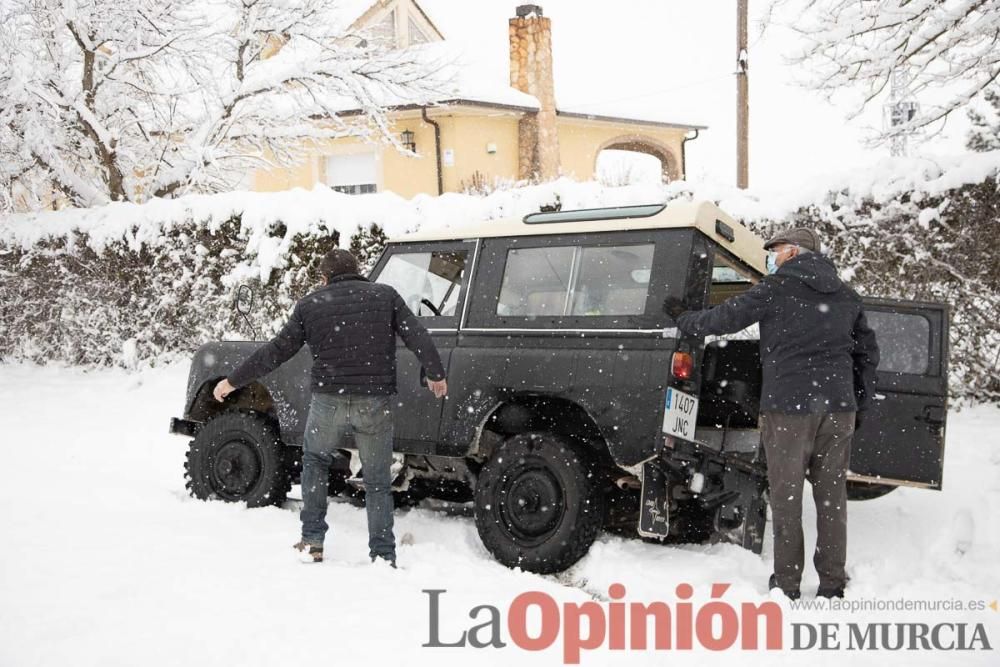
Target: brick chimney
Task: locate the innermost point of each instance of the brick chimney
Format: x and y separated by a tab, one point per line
531	72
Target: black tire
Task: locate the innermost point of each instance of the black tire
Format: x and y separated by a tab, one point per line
866	491
538	504
238	457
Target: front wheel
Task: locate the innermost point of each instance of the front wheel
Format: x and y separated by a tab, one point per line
538	503
238	456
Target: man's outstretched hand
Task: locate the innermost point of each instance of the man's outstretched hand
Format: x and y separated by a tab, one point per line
223	389
439	387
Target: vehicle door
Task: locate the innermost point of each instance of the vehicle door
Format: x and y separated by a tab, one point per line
431	278
901	441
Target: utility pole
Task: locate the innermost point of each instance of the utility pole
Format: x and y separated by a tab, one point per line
742	99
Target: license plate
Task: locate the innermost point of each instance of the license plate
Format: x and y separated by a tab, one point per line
680	414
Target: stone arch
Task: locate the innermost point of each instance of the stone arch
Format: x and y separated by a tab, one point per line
638	143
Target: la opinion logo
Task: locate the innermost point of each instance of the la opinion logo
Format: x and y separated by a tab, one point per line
616	625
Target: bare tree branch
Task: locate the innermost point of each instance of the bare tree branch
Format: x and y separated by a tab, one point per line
948	49
121	101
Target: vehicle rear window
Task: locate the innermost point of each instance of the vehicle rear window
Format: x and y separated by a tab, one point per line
903	341
728	279
576	281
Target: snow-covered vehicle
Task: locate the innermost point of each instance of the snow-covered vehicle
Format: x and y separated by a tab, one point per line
574	404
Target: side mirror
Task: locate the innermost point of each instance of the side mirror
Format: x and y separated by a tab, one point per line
244	300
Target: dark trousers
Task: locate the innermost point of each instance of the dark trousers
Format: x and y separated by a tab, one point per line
816	447
371	420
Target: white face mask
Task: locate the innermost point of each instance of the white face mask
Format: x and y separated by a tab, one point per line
772	261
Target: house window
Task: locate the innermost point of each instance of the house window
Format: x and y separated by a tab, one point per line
417	36
360	189
384	32
354	174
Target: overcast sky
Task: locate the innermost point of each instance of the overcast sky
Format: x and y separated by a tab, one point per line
675	60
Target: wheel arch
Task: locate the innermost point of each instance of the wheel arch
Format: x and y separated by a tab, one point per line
255	397
523	413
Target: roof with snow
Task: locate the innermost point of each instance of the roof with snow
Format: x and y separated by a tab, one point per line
473	88
356	10
624	120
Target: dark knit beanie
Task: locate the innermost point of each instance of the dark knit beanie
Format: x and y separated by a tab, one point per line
336	262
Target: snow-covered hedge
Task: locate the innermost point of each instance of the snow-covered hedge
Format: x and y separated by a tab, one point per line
127	284
941	247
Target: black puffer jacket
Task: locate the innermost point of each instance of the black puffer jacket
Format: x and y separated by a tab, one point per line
817	351
350	326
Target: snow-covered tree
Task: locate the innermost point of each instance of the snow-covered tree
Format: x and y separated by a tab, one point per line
985	132
103	100
950	48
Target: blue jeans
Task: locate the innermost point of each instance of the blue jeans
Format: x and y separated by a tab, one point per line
331	416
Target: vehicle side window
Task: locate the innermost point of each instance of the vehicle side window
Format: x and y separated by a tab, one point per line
535	281
429	282
576	281
728	280
903	341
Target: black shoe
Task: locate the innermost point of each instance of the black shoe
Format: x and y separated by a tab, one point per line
791	595
830	592
390	561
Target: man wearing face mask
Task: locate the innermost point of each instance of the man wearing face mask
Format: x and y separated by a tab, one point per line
818	357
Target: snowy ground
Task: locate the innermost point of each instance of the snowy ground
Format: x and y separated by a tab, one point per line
106	561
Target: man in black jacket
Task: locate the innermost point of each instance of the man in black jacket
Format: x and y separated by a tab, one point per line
350	325
819	358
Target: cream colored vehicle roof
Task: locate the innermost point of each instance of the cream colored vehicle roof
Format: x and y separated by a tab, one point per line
702	215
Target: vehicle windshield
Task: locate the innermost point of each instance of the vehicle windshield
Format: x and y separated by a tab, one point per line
429	282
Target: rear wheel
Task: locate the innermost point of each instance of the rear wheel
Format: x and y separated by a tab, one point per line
238	456
538	504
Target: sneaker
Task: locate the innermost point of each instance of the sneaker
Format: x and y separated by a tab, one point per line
830	592
308	553
390	561
772	583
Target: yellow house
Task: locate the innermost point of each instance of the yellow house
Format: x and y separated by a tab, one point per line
479	137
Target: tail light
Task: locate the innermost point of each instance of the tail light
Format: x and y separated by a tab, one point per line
682	366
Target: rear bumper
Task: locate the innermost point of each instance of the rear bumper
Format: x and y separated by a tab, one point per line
184	427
